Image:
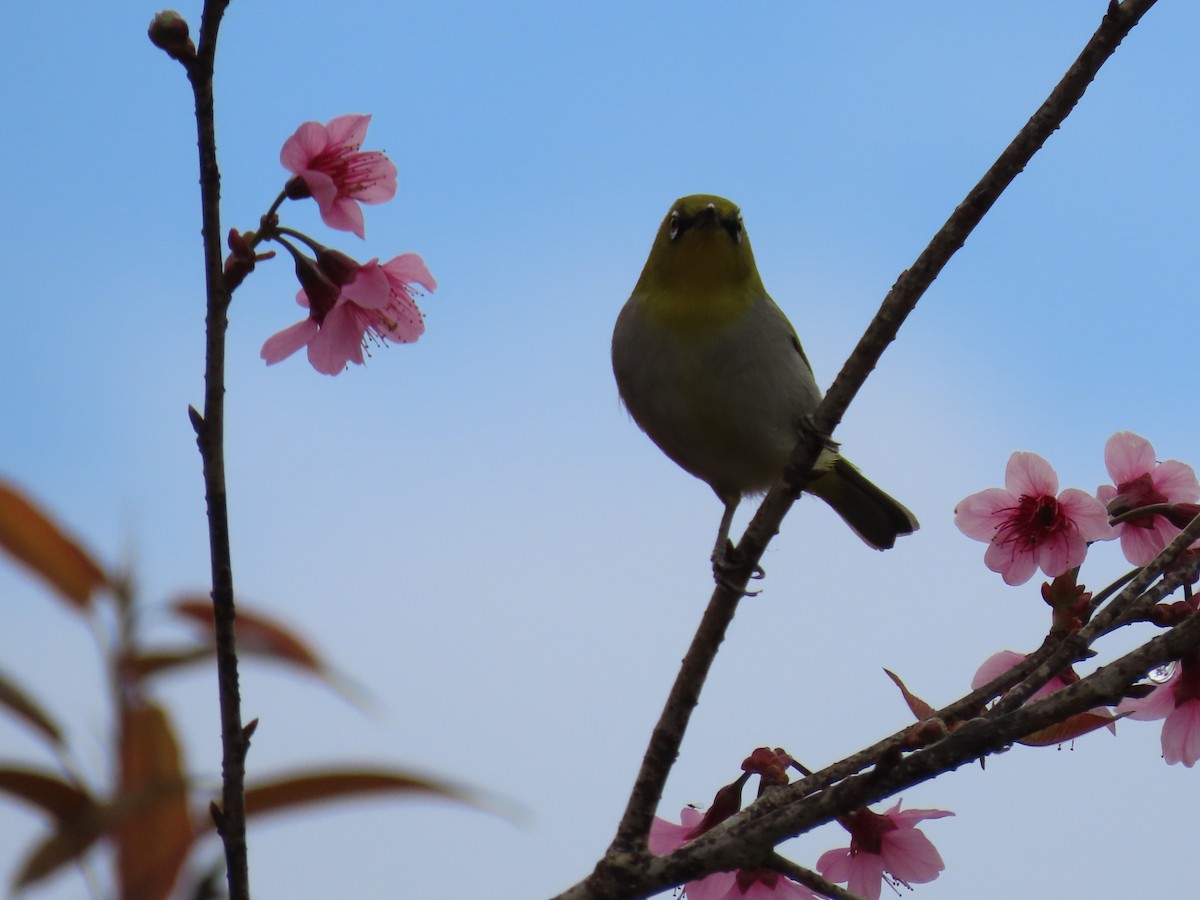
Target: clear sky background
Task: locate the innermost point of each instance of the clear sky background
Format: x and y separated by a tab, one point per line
472	527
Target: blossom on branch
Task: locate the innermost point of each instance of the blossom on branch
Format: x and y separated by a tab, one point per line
999	663
884	846
1177	700
1028	524
1140	481
742	884
350	304
328	166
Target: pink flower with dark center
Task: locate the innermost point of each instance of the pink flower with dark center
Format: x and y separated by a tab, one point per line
329	167
1028	524
884	846
1140	481
374	303
743	884
1177	700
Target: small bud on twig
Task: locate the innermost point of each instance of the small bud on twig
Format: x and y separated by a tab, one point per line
169	32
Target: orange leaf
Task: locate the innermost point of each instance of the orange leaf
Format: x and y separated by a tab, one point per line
77	832
23	707
256	633
919	707
65	844
47	792
261	635
1068	729
33	538
154	835
314	787
143	664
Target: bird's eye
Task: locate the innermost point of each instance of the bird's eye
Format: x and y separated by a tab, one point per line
674	229
737	230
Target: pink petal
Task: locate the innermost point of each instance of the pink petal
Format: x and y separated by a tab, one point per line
1012	561
783	890
1181	734
666	836
370	287
283	344
910	817
1127	456
1062	551
835	864
1054	684
1158	704
789	890
409	268
349	130
995	666
298	150
911	856
979	515
1088	514
344	214
1176	481
338	343
324	190
1140	545
376	176
718	886
1028	475
866	876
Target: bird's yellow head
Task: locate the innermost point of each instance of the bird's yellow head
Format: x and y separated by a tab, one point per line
701	271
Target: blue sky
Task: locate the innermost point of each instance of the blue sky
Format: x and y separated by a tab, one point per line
471	526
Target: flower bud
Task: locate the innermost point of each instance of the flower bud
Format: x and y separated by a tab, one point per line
169	32
337	266
321	292
296	188
727	802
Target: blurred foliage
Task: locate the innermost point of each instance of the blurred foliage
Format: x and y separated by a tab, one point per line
151	817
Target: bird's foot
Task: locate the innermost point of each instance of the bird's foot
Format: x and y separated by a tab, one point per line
729	571
808	428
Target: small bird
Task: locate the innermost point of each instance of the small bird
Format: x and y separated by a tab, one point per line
711	369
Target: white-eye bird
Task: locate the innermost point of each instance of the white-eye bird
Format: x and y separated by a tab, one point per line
711	369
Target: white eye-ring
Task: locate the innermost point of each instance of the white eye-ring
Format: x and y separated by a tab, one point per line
740	229
673	232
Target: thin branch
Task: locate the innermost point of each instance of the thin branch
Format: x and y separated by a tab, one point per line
913	282
210	437
627	869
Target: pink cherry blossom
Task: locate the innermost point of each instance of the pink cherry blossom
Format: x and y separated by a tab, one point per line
999	663
1142	481
375	303
329	167
1177	700
742	884
884	846
1027	526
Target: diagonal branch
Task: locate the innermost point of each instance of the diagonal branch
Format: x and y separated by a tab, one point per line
625	870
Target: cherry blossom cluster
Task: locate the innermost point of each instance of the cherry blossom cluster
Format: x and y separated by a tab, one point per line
350	304
1029	525
884	847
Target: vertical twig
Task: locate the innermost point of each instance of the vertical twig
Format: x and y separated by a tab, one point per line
210	437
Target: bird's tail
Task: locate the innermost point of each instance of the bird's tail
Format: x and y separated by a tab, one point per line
875	517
